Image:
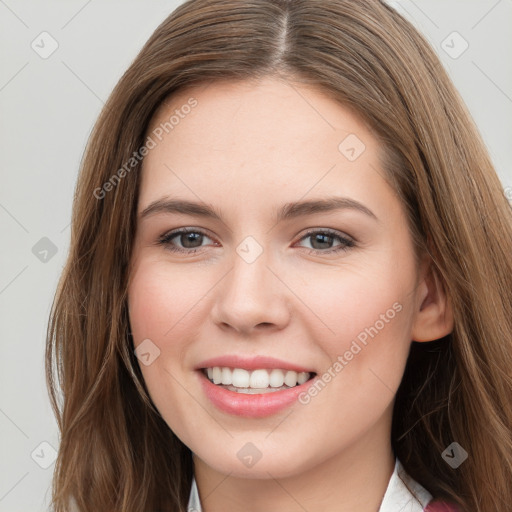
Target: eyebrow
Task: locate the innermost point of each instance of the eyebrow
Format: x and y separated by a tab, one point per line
286	212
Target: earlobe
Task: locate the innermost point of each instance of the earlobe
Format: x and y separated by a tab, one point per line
434	316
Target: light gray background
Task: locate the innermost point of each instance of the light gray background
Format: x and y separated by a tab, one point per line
47	109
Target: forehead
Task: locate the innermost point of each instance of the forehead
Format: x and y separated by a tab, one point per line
258	140
260	107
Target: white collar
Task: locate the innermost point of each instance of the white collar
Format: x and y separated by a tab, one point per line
403	493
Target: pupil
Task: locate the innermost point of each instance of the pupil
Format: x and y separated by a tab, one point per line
188	240
323	240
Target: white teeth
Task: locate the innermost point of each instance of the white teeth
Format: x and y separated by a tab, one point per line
276	378
257	379
217	375
290	379
239	377
226	377
302	377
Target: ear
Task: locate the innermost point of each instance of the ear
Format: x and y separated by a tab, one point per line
434	313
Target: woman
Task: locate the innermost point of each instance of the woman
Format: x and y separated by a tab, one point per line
289	279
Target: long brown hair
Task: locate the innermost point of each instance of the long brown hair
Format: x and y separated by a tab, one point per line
116	451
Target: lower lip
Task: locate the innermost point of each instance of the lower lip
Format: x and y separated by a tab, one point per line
251	406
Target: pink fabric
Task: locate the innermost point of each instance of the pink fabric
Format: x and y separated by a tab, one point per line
440	506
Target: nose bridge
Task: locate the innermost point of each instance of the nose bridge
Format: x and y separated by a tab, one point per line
251	295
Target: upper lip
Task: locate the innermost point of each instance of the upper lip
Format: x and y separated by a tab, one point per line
251	363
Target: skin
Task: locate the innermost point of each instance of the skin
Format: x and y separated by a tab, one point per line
247	148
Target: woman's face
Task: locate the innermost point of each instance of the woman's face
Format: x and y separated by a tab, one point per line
297	250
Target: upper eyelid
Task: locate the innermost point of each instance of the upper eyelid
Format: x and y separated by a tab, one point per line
187	229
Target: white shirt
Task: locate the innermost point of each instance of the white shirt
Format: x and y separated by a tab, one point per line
403	494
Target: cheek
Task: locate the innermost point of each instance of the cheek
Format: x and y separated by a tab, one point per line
162	303
370	314
164	307
368	310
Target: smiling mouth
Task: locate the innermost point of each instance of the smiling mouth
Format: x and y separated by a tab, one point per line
257	381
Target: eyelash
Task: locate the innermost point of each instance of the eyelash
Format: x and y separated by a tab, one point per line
345	242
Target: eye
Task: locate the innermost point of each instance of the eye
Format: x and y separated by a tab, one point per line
187	240
190	240
324	241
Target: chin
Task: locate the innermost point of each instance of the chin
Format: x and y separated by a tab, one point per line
249	461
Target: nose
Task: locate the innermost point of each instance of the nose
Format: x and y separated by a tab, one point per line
251	298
